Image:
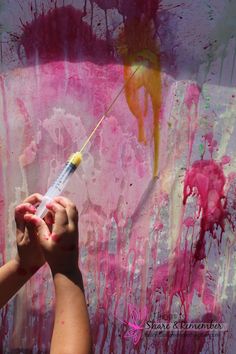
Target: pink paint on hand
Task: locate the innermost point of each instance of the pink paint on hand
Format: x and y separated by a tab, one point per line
32	219
55	237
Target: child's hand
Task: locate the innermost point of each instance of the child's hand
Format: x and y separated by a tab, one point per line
60	244
30	256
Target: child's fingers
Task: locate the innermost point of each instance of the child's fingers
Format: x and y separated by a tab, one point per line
39	226
34	199
49	218
20	211
24	208
71	209
60	217
63	201
72	214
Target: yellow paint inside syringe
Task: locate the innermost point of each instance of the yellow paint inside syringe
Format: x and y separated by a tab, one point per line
75	158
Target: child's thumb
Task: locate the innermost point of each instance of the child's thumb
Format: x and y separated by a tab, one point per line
38	225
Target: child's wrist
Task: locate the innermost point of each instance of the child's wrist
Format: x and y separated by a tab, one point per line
19	269
24	269
65	269
66	264
74	275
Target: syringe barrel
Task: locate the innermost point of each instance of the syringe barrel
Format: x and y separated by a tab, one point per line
60	183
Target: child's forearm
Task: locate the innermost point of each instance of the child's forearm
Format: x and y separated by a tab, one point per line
71	332
12	278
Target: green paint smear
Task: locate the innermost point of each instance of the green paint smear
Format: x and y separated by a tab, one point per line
201	149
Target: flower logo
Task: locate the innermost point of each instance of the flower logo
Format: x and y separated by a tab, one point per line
135	323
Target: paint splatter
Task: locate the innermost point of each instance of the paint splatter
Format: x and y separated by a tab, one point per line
206	180
142	51
136	246
29	144
61	34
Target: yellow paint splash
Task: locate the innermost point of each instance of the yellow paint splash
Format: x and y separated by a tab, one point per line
149	78
137	46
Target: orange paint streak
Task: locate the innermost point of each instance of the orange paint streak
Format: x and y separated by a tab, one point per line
145	85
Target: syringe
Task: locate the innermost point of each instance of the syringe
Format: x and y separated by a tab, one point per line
75	160
59	184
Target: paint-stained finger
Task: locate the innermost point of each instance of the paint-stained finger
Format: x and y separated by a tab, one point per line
70	208
37	225
61	217
49	218
63	201
23	208
72	213
20	211
35	198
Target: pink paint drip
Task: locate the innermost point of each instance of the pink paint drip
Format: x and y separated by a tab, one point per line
5	115
191	101
212	143
206	180
180	279
29	149
189	222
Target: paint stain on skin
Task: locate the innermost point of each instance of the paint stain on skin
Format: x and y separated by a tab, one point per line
146	83
55	237
206	180
58	240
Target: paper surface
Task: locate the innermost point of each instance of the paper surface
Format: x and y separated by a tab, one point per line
152	250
